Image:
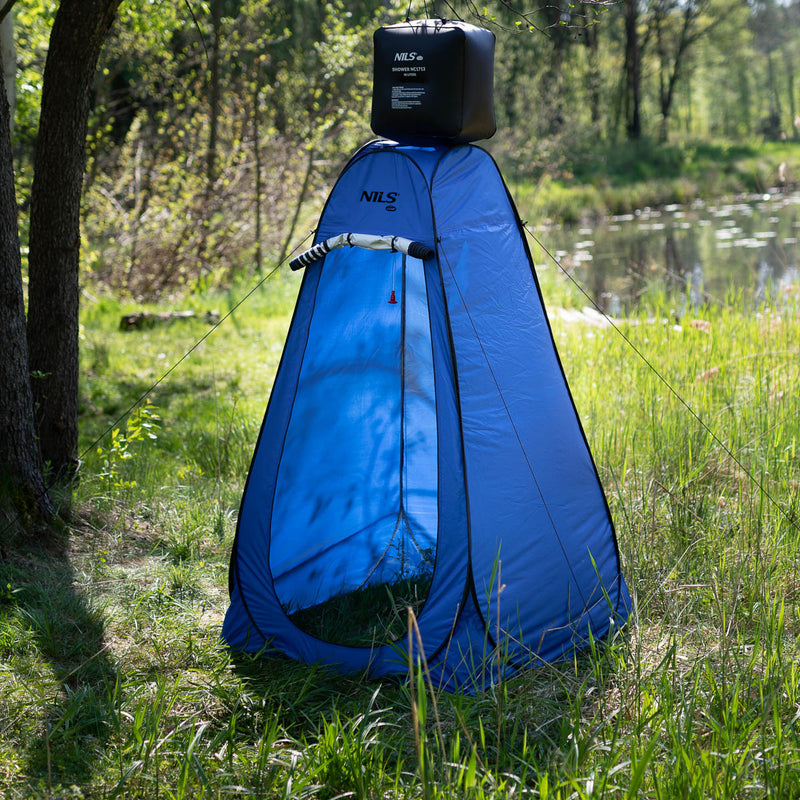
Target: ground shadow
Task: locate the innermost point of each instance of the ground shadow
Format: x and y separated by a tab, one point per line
62	660
300	694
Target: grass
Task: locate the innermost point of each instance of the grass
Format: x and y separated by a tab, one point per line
113	683
371	615
618	179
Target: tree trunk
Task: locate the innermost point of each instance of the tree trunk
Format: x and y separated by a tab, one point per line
775	111
594	79
79	29
21	482
213	96
553	99
8	56
212	167
259	177
633	71
671	65
689	103
788	60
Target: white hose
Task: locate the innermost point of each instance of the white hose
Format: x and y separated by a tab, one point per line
368	241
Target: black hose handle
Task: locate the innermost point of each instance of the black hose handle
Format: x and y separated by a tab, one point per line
420	251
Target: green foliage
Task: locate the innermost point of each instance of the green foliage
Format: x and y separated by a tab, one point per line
293	103
32	23
140	427
293	98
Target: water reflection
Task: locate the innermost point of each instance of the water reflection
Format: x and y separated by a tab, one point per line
695	254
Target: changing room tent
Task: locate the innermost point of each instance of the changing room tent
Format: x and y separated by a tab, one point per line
434	435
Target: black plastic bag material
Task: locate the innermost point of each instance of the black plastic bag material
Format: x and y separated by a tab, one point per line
433	82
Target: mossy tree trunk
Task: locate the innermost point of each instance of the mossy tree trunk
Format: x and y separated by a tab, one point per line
79	30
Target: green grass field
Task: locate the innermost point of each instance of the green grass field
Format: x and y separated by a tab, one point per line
113	682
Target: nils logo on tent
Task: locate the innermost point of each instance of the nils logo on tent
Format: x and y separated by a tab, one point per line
412	56
387	198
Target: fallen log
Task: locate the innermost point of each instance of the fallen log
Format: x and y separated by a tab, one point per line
140	320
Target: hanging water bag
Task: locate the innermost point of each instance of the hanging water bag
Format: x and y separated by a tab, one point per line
433	81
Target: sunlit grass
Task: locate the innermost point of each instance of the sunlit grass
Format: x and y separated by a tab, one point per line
113	683
614	179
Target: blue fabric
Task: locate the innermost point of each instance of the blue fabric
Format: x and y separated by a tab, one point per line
355	497
435	435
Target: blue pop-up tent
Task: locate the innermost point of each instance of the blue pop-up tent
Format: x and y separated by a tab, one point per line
421	429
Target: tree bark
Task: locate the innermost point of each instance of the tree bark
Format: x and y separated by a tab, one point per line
788	61
553	100
213	96
592	42
22	484
78	33
775	111
633	71
671	65
8	57
259	177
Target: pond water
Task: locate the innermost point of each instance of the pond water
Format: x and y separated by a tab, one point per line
696	253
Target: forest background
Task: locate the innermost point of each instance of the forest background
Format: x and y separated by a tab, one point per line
216	127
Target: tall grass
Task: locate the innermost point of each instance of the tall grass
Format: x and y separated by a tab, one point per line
618	179
113	683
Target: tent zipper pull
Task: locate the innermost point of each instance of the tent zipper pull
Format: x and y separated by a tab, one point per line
392	298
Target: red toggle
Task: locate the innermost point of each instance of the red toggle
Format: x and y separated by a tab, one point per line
393	299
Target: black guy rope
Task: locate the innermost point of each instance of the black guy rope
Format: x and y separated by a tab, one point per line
755	481
165	375
194	347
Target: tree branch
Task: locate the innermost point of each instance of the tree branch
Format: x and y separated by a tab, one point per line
6	8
